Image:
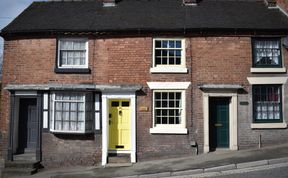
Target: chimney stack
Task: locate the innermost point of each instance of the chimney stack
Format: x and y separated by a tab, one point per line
190	2
270	3
109	3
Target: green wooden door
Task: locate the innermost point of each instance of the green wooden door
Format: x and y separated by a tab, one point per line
219	123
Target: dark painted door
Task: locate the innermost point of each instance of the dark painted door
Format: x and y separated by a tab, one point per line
32	127
28	125
219	123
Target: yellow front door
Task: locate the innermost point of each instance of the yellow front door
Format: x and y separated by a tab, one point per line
119	125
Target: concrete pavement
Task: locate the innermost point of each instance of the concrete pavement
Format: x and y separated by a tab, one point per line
204	163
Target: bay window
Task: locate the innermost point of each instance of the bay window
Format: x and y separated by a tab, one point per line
71	112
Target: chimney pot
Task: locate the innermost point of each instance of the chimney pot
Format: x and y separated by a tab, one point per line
109	3
270	3
190	2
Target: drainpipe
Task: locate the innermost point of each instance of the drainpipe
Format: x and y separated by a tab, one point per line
259	141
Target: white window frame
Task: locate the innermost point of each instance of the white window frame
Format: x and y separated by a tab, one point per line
170	68
73	66
170	128
52	121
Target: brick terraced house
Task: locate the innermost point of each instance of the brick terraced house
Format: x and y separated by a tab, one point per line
87	80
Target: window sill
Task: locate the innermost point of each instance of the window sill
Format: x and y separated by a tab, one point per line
268	125
168	130
72	71
268	70
71	132
169	69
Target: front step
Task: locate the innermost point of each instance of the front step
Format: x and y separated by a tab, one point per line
118	158
20	168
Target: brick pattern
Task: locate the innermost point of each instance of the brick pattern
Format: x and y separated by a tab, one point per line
123	60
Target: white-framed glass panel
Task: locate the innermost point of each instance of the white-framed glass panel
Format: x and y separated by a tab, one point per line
70	112
168	52
72	53
169	108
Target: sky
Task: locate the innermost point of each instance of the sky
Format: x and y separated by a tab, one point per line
9	9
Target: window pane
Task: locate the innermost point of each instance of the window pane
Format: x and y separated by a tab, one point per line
158	44
73	126
164	44
178	44
171	44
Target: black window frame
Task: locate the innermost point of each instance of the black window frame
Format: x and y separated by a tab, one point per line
256	39
280	107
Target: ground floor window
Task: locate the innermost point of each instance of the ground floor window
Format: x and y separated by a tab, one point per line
168	108
71	112
267	103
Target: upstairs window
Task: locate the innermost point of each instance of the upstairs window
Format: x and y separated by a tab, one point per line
267	53
169	56
72	53
267	103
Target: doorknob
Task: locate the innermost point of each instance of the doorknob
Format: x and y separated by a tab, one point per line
218	125
120	112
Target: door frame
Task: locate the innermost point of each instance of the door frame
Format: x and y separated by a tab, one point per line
15	97
233	120
106	97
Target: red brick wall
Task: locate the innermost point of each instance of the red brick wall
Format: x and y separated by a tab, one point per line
210	60
217	60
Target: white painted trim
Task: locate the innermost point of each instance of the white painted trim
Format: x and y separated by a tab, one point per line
106	96
267	80
97	121
105	129
168	85
97	113
156	130
45	101
268	125
268	70
25	93
169	69
45	119
233	120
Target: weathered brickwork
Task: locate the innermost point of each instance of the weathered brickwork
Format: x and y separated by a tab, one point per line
71	150
127	60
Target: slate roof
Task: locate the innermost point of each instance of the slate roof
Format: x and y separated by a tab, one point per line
146	15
